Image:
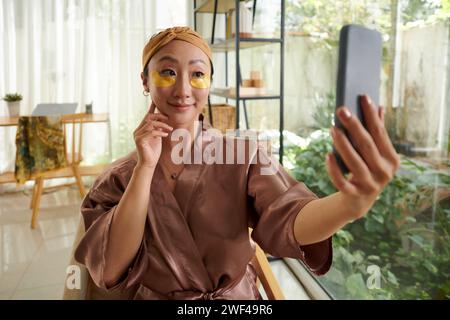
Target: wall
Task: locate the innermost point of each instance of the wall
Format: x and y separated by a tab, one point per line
424	85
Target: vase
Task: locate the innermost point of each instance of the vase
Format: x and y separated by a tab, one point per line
245	21
13	108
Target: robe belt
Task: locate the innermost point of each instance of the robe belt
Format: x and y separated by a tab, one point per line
239	289
219	294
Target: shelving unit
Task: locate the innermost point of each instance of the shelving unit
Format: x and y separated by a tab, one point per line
236	44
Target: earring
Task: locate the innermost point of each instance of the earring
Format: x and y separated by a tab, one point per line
145	92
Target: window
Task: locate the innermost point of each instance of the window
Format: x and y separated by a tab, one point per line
401	248
85	52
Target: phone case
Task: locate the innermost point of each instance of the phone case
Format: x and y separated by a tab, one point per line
359	68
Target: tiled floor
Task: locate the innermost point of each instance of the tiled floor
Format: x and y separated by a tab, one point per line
33	262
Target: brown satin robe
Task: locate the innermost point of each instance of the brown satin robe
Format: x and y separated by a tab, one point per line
196	243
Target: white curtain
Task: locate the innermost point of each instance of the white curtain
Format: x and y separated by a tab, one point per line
81	51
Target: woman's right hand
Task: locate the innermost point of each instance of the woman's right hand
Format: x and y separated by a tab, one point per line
148	137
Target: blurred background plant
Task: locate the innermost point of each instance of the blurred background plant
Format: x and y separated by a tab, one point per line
406	233
324	113
11	97
320	19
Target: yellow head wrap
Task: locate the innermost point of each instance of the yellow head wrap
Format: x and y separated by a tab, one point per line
176	33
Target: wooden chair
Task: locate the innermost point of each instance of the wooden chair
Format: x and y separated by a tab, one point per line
74	158
89	291
266	277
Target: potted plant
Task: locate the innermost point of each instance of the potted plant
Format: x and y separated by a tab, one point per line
13	103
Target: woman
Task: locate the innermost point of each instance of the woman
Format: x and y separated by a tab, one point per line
160	228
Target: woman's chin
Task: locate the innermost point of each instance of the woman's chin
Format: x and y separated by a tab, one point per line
183	119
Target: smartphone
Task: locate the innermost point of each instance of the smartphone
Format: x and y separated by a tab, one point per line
359	68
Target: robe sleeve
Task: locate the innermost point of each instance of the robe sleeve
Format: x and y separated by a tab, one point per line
275	200
97	210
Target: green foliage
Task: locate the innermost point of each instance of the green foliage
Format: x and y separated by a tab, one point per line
323	19
406	234
324	112
11	97
407	231
422	12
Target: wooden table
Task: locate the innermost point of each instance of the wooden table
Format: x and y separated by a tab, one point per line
96	117
8	177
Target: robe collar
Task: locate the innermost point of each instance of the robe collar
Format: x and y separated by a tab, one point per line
168	220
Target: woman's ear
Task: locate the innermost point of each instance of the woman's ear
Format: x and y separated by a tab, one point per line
145	81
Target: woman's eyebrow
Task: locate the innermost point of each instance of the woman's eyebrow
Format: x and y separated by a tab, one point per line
169	58
174	60
197	61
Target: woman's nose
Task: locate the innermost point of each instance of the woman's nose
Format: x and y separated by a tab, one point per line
182	87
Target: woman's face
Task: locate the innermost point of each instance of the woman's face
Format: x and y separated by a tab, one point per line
178	79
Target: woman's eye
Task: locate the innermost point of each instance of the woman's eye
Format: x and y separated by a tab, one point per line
167	73
198	74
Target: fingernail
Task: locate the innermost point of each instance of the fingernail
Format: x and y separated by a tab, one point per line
369	101
345	113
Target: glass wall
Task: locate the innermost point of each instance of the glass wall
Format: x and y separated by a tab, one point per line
401	248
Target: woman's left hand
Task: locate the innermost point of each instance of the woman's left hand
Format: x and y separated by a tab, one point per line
372	167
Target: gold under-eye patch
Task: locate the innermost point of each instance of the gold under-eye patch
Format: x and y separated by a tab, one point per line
162	81
167	81
201	83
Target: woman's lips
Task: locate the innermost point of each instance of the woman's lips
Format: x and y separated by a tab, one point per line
181	107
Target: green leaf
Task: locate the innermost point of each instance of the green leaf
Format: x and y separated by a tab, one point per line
417	239
345	235
336	276
447	212
392	278
430	267
358	257
411	219
356	286
310	171
373	258
378	218
347	256
323	184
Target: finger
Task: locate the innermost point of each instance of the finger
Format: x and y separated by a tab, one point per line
353	160
143	122
154	125
348	154
152	108
375	125
150	115
381	114
337	178
152	128
151	134
360	138
364	143
159	124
